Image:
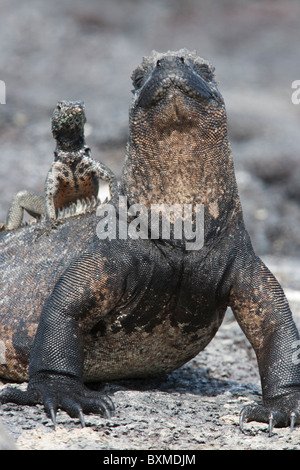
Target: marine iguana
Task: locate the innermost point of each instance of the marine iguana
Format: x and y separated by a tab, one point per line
80	309
74	175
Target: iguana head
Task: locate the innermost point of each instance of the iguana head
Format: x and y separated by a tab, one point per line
68	122
177	90
161	74
178	143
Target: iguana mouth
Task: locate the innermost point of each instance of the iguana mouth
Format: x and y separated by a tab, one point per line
175	73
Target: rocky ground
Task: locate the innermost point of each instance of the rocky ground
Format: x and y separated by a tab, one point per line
87	50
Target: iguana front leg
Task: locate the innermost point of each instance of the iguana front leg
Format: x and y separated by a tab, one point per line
262	310
89	287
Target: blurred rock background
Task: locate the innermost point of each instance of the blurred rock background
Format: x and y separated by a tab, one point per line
70	49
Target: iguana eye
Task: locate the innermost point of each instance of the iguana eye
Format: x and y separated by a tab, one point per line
204	71
138	79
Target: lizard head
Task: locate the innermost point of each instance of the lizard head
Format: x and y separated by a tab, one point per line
68	122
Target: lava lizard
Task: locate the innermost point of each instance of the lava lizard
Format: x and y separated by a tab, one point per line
74	175
81	308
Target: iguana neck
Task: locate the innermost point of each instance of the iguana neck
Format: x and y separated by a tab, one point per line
182	165
179	165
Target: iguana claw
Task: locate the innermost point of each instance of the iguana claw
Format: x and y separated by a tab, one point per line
81	417
53	416
271	424
294	419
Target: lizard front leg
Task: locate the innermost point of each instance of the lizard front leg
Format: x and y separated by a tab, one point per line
51	184
261	308
106	174
50	210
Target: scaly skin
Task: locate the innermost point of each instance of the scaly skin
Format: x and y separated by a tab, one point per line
74	174
126	307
